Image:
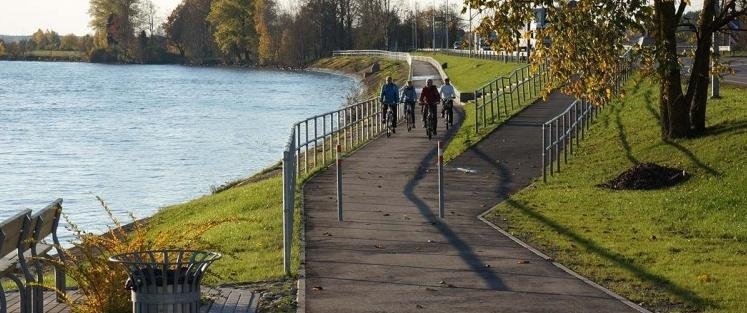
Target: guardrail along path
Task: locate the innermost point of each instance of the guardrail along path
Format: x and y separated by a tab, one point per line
392	253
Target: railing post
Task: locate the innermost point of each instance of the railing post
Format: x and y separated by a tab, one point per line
316	141
287	212
492	101
565	137
557	145
339	184
544	157
324	138
440	180
306	148
477	124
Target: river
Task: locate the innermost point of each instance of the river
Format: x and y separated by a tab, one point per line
143	136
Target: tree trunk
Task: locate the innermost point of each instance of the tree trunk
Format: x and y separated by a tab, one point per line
697	89
675	119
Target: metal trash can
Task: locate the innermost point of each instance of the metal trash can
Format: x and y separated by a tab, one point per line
165	280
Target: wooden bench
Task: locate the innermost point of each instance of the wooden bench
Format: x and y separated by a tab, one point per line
24	247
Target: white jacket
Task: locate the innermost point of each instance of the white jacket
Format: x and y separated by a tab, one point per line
447	92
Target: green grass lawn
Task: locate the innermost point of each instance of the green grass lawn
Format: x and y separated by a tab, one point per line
252	243
468	74
680	249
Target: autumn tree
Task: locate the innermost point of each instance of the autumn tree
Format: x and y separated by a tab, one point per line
587	38
235	35
190	32
115	22
263	16
69	42
2	48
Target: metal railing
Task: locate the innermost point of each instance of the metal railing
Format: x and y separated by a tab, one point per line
312	146
508	93
501	56
562	132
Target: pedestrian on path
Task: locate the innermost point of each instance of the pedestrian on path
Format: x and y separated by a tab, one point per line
409	96
448	95
389	99
429	99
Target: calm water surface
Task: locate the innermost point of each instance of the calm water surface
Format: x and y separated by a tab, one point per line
142	137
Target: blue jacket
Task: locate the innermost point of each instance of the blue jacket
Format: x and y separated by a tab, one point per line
409	94
389	94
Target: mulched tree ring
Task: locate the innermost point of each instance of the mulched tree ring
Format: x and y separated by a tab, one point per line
647	176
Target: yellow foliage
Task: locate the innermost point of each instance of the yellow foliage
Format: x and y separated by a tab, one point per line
103	283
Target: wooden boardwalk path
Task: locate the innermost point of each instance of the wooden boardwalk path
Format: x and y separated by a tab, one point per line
392	253
226	300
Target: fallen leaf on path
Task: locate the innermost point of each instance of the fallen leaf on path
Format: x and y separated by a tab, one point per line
327	234
523	262
430	289
317	288
386	214
419	306
379	247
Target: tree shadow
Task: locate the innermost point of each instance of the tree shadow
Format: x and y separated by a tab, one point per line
687	296
623	137
693	158
725	127
466	252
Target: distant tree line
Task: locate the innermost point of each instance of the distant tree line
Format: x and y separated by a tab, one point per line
258	32
247	32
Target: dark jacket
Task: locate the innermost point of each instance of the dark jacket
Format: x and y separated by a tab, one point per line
430	95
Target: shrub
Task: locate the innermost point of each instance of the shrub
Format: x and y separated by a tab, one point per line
102	283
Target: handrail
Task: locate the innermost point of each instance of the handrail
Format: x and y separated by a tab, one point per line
517	89
312	145
483	54
560	131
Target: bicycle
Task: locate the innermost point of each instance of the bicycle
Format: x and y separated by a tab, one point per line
390	122
410	115
430	121
448	108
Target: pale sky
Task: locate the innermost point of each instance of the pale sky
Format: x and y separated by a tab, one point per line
24	17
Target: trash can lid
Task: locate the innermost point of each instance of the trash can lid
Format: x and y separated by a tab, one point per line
165	257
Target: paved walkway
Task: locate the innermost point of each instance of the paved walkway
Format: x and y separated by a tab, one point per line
225	300
392	254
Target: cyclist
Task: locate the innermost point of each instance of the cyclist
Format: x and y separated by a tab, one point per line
409	96
389	99
448	94
429	99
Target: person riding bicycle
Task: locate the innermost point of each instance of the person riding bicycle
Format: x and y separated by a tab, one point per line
389	99
409	96
448	95
429	99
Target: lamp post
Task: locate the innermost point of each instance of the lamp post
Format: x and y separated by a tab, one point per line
433	44
447	20
715	82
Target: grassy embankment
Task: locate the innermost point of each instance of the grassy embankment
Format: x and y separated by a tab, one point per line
467	75
680	249
359	66
252	244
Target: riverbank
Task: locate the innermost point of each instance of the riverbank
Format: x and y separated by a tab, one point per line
370	76
252	239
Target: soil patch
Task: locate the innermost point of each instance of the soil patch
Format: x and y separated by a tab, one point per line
647	176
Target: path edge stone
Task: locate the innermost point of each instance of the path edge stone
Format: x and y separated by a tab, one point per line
544	256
